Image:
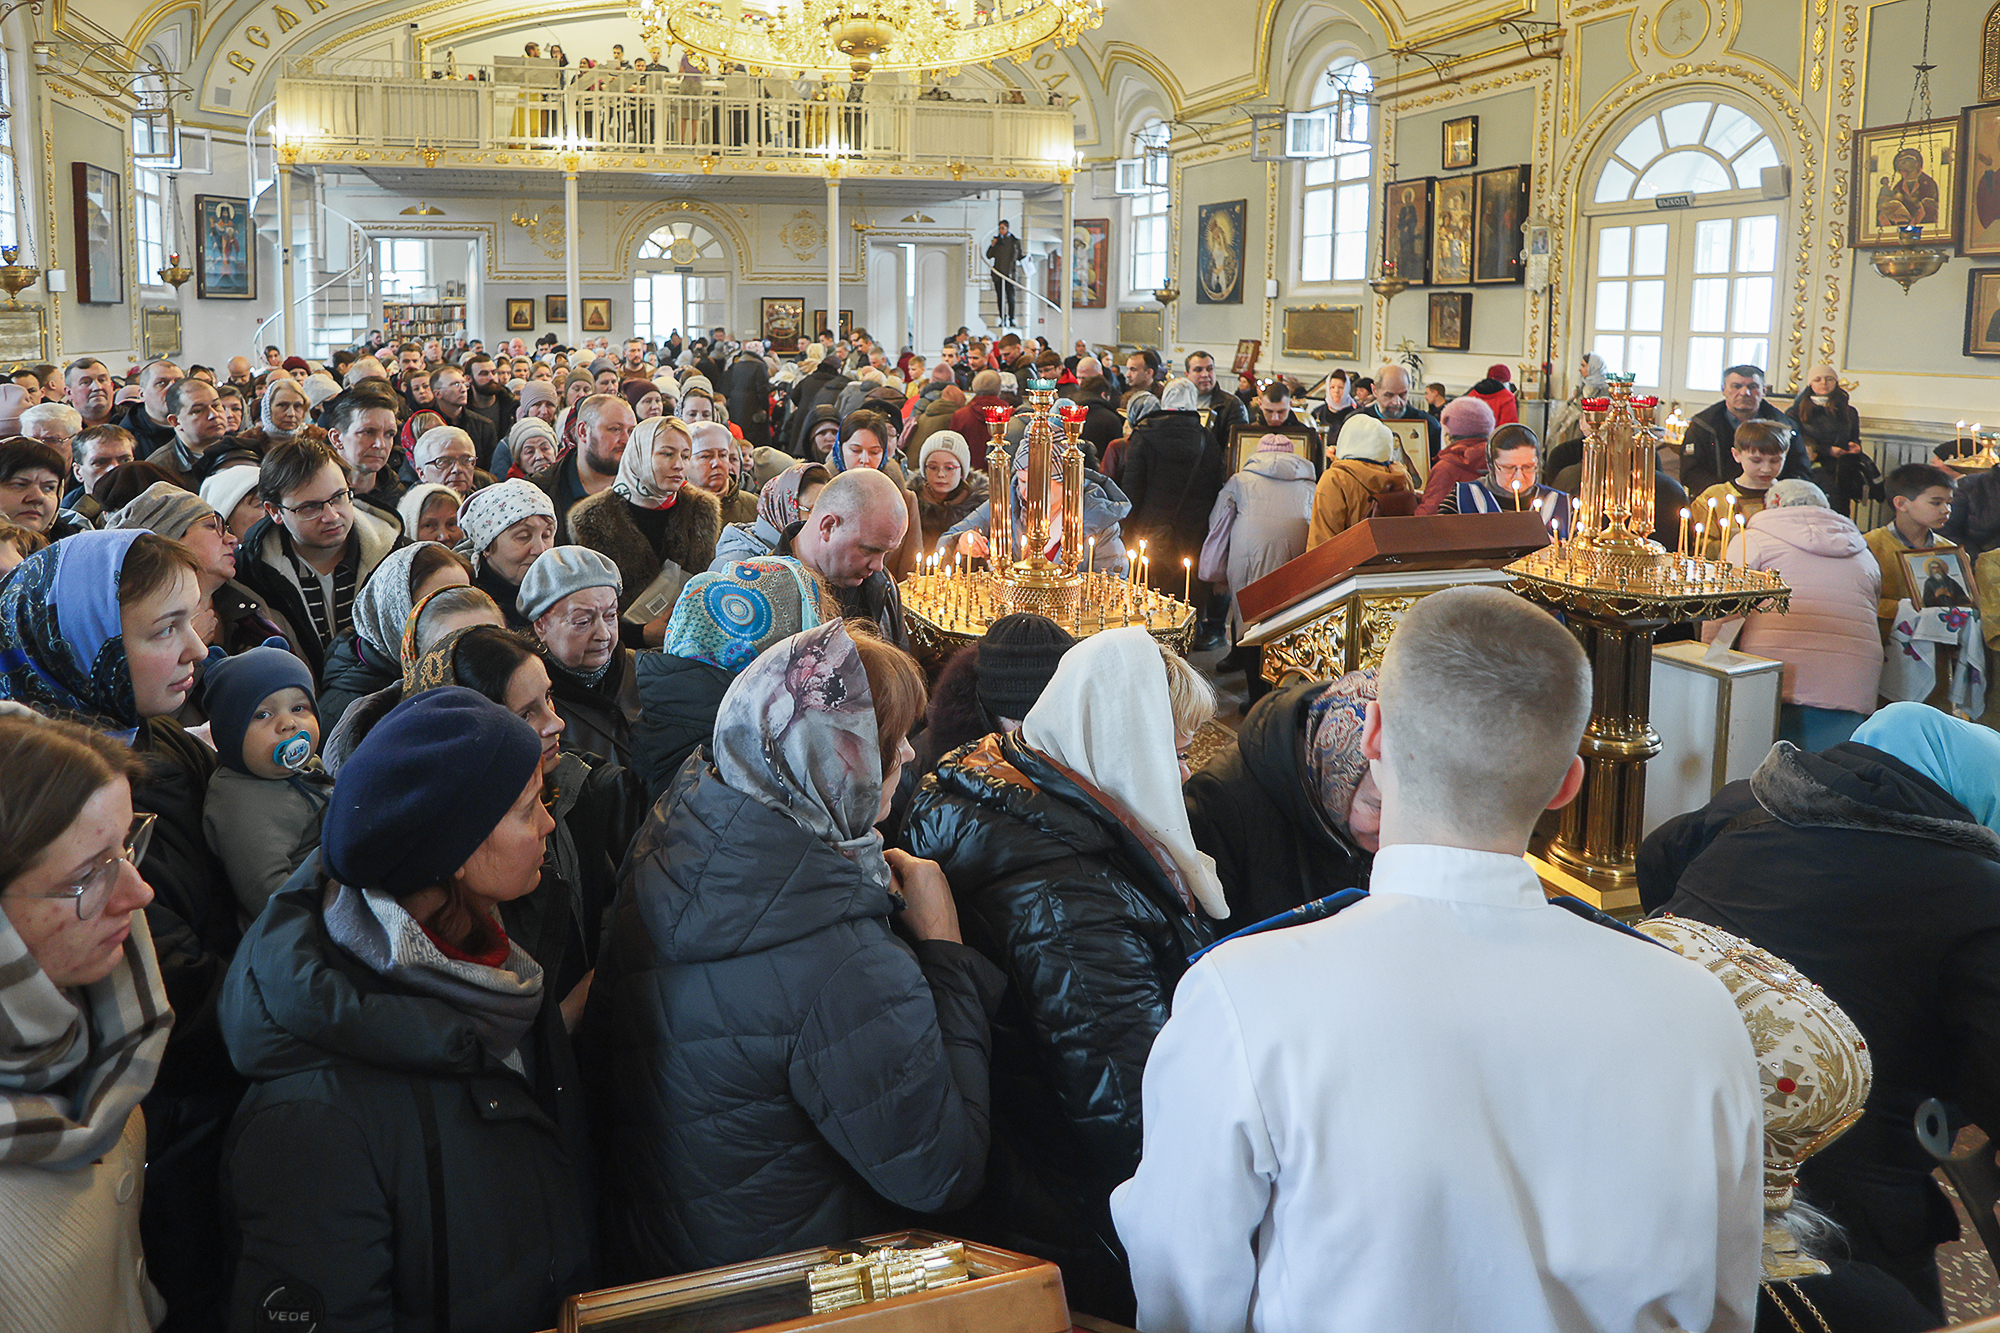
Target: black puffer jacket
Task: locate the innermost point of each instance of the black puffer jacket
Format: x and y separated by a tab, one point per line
1871	880
1077	907
678	700
1173	472
337	1195
771	1066
352	670
1254	810
597	807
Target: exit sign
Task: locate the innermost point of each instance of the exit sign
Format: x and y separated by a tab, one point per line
1673	201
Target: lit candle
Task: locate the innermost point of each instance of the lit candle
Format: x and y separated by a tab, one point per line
1682	547
1700	535
1131	567
1091	560
1517	495
1957	434
1187	580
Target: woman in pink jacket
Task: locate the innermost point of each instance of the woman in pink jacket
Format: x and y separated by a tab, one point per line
1828	640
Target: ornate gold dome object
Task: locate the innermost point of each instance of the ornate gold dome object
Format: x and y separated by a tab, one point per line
951	602
859	37
16	277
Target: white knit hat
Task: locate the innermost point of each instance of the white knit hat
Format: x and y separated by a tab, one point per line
1365	437
946	442
226	487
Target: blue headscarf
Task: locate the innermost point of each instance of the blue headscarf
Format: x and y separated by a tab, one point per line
62	647
837	460
1961	757
728	617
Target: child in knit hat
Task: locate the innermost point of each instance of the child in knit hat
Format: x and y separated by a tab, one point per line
262	814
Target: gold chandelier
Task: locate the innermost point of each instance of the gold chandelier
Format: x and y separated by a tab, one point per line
860	37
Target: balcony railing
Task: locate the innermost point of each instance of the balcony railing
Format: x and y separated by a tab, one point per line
731	119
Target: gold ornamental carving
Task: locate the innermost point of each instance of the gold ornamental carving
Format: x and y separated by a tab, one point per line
1316	650
804	235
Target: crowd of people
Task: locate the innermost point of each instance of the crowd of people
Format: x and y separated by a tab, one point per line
474	829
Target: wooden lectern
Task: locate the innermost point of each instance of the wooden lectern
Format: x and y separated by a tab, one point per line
1331	610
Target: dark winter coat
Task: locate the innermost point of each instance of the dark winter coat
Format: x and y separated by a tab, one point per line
352	670
597	807
245	621
263	567
953	717
1975	513
678	700
771	1066
597	719
1872	881
748	385
380	1134
604	523
935	516
1173	471
1253	809
1102	423
1706	446
1058	887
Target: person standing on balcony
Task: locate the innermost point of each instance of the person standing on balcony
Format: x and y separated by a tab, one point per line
1003	254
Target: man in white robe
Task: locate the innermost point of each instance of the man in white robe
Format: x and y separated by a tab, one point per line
1454	1105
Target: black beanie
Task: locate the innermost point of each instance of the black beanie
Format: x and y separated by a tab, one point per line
424	788
1016	658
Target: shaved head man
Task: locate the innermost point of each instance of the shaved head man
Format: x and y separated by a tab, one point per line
856	524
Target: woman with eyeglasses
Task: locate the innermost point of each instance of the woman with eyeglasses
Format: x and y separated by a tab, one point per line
101	628
87	1020
1513	481
1070	855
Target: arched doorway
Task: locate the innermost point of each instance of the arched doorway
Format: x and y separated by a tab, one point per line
1684	247
680	282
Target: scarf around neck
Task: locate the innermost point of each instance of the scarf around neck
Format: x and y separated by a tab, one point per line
635	468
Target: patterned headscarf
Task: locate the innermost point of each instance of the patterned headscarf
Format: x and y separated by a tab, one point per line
778	502
413	430
488	513
1180	395
1334	764
382	607
797	731
407	652
62	648
727	617
436	668
635	466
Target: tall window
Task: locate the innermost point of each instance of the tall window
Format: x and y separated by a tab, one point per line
9	219
149	189
683	285
1337	189
404	269
1149	219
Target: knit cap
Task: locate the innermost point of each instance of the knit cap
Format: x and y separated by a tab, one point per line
1016	658
489	512
1466	418
226	487
424	789
234	686
560	571
947	442
1365	437
166	510
13	402
1501	371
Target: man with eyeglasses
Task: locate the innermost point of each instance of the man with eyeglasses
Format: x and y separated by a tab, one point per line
31	487
570	596
444	455
313	550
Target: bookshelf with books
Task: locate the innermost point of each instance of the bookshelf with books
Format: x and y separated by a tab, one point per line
434	319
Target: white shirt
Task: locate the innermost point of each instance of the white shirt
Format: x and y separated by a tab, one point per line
1451	1107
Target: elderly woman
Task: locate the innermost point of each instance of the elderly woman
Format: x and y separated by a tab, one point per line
1827	638
429	513
1290	812
1567	426
383	1014
101	626
1069	851
281	415
650	518
506	527
723	620
1104	506
947	488
570	597
86	1015
367	657
532	448
785	499
1467	425
759	900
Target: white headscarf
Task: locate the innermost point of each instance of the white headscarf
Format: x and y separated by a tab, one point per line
1107	716
489	512
635	467
1180	395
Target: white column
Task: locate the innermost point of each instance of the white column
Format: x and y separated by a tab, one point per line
288	325
571	282
1062	257
832	250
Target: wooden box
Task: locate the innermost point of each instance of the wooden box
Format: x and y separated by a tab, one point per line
1009	1293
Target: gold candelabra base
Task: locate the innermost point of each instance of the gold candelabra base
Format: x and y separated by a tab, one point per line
947	611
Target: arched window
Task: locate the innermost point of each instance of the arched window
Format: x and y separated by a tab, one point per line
1149	214
682	281
1333	242
1677	295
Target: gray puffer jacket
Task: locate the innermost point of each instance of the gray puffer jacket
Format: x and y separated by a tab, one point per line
771	1067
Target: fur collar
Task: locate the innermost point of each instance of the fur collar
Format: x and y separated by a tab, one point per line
1784	787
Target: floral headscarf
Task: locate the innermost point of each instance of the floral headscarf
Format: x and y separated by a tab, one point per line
727	617
1334	764
436	668
797	732
635	467
778	502
62	646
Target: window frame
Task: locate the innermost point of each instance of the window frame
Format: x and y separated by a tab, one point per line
1345	177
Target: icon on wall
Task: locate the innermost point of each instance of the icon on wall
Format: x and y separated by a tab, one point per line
1451	321
225	266
1407	214
1451	231
100	234
597	314
1499	207
521	315
779	321
555	309
1219	253
1461	143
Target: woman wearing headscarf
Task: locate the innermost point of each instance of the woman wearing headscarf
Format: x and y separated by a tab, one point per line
531	449
100	627
1070	855
773	1065
366	657
1566	430
506	527
649	517
1290	812
86	1017
724	619
1104	509
1832	431
429	513
385	1018
577	386
434	616
1873	867
281	416
595	803
1174	469
1138	406
784	500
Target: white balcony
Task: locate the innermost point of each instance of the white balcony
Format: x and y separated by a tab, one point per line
516	115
